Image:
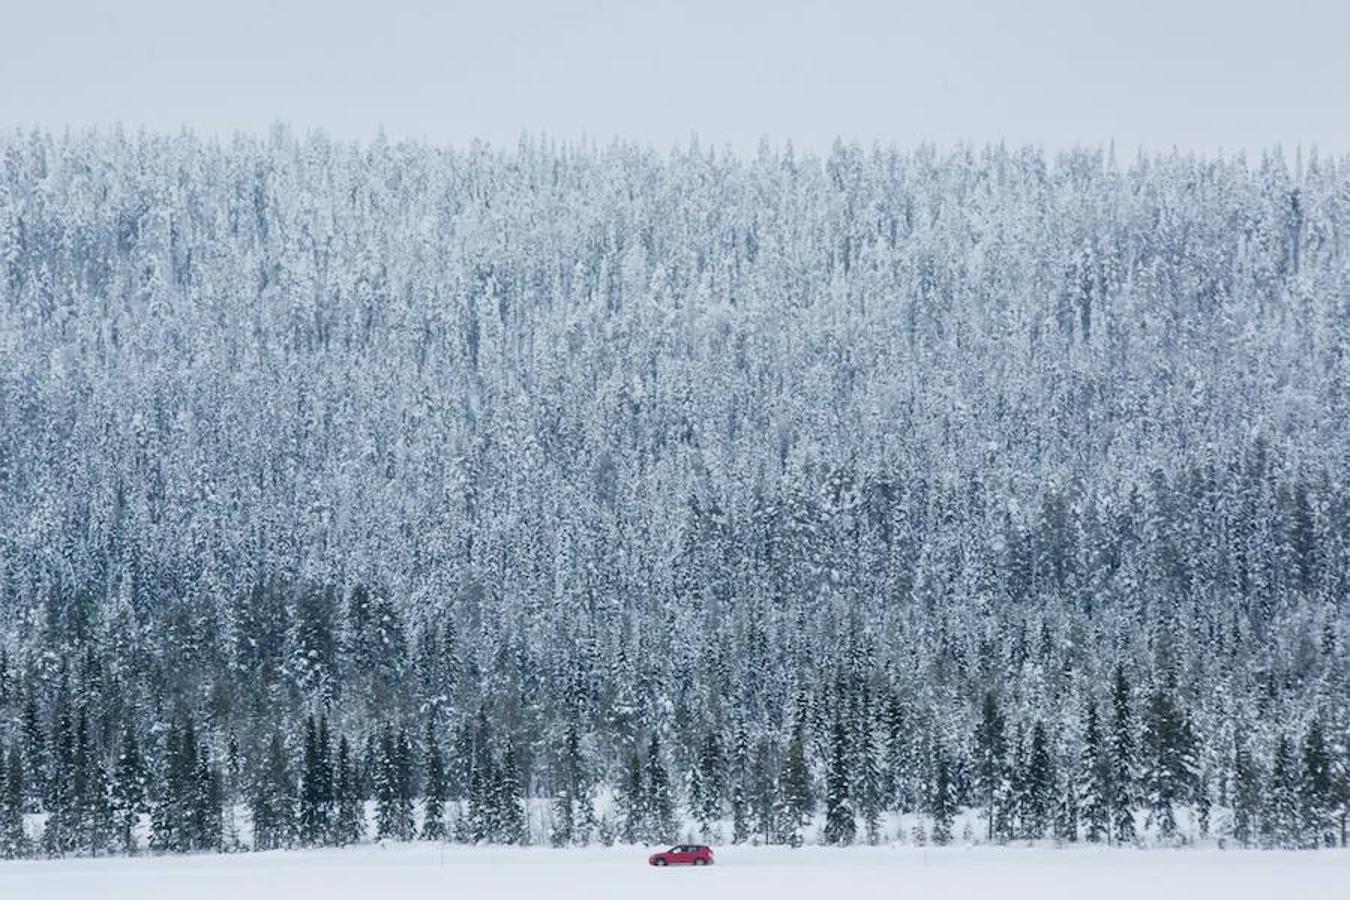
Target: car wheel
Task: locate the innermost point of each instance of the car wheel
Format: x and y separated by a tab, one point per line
700	862
659	862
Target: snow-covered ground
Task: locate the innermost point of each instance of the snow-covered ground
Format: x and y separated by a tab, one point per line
406	872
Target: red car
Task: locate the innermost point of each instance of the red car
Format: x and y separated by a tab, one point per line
684	855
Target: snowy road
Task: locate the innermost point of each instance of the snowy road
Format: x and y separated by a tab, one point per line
417	871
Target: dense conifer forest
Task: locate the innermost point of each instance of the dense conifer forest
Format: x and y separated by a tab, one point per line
579	493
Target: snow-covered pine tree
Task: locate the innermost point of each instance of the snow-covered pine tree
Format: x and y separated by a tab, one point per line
567	778
13	840
1040	781
1246	826
434	791
990	760
870	803
272	803
482	823
633	801
562	827
60	832
1122	760
1280	825
36	757
350	823
942	804
130	784
660	805
232	793
1067	806
840	825
899	756
1316	790
513	828
1094	775
799	799
1013	817
171	816
740	784
206	828
710	776
97	823
393	786
1169	764
1204	807
312	823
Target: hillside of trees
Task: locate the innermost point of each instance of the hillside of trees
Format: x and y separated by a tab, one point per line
739	490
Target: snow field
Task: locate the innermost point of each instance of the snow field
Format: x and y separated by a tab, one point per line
419	870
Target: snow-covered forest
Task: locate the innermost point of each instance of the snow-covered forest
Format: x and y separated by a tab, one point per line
669	490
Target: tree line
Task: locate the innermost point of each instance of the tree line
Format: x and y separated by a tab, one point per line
848	761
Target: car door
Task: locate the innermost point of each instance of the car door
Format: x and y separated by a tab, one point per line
683	856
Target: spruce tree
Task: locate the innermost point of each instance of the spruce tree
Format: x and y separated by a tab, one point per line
740	813
129	788
1246	796
898	780
60	832
1040	784
740	774
93	817
386	786
799	802
768	801
1066	810
231	780
1122	761
170	814
870	798
315	821
942	801
13	840
207	825
434	792
309	825
350	824
1280	819
482	824
634	801
990	754
710	776
1168	773
570	803
98	824
393	787
513	827
562	829
273	800
1095	772
36	761
484	812
840	827
1316	790
1203	805
660	806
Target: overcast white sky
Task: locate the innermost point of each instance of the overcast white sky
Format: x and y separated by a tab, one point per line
1198	75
